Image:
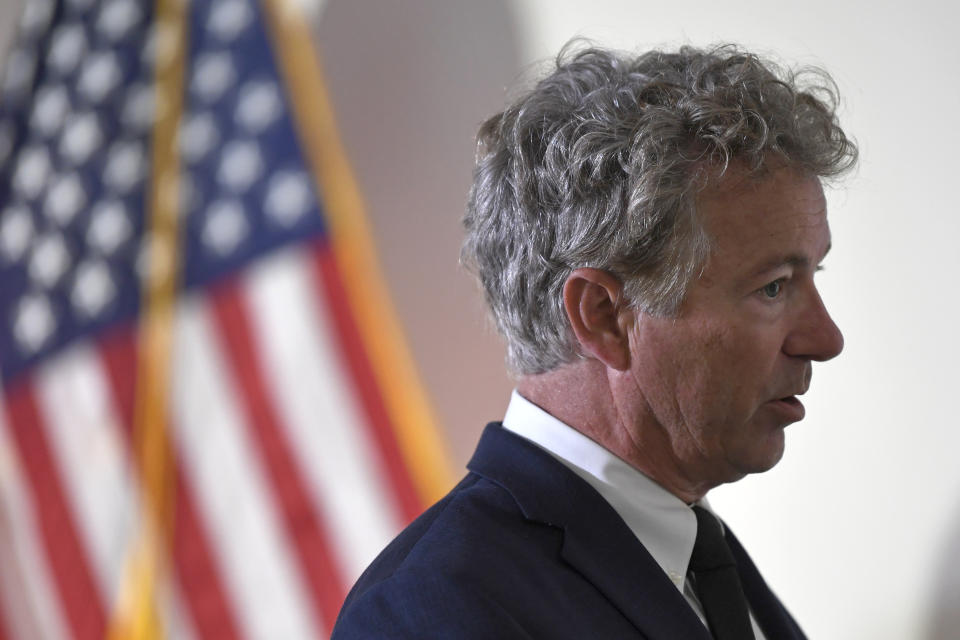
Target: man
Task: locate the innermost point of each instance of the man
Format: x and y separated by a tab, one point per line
646	230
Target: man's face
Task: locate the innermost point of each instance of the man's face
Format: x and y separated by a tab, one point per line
721	378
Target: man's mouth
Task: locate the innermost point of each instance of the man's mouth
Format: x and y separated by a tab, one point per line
790	407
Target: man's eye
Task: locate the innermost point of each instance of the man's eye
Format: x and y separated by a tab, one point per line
773	289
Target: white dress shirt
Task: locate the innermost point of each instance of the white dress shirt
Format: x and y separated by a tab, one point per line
664	524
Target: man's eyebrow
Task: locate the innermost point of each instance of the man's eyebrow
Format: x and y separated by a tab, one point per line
795	260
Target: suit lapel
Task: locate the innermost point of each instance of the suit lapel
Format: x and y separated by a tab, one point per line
770	613
596	541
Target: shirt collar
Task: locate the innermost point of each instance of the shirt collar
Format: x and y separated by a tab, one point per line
663	523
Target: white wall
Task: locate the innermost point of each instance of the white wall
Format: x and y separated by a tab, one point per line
858	528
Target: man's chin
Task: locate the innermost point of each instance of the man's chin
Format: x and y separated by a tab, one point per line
761	457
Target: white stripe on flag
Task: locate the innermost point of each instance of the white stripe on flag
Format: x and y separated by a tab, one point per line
318	409
88	446
27	592
231	492
85	436
173	610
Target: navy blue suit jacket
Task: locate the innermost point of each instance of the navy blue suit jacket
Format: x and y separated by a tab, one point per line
524	548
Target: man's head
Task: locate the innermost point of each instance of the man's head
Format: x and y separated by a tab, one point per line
707	392
646	231
600	165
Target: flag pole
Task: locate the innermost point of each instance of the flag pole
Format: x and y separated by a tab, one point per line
136	615
419	440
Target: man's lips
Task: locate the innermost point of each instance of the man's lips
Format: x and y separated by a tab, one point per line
790	407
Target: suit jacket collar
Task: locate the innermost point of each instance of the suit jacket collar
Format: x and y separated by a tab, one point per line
770	613
596	541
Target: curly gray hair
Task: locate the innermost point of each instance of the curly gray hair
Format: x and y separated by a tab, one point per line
599	165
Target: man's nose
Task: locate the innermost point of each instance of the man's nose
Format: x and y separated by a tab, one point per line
815	335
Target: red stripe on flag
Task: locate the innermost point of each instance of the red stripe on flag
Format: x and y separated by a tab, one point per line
76	587
305	525
330	288
5	630
197	573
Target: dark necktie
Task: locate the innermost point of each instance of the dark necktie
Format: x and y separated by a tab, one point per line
716	581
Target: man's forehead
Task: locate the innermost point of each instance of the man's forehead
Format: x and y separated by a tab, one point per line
777	218
742	198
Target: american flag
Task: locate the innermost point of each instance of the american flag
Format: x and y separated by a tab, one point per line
197	354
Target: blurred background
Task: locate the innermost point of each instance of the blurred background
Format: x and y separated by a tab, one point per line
858	528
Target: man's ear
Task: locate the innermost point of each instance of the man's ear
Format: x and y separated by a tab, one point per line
593	301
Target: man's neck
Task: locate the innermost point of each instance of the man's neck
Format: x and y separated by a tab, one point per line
581	394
